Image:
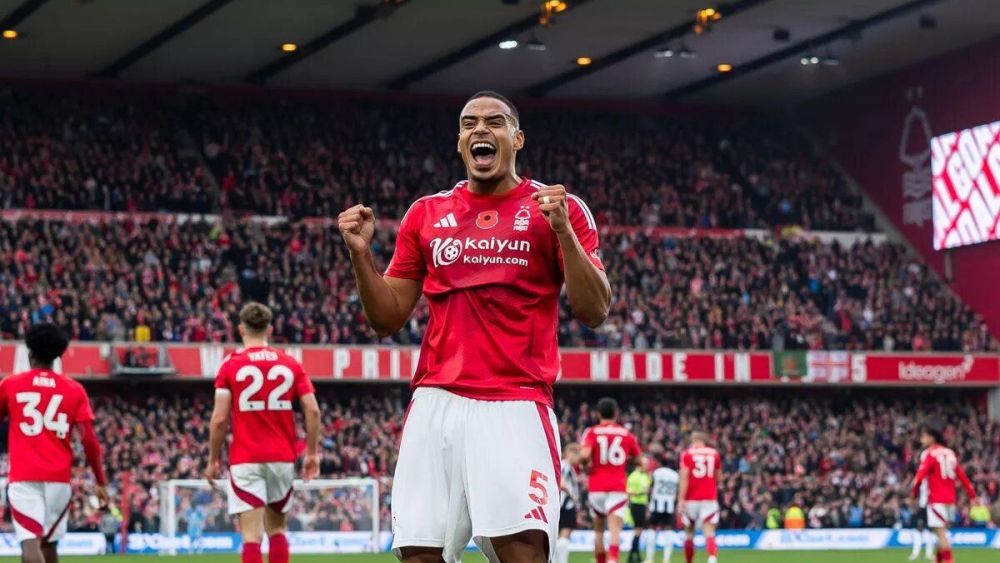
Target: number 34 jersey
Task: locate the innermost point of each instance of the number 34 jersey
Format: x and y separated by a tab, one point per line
264	383
43	407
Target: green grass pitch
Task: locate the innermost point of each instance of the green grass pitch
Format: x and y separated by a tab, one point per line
725	556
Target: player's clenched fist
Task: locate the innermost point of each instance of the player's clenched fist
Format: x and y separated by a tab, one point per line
357	225
552	202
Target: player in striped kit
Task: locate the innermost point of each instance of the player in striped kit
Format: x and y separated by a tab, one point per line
918	521
662	503
569	500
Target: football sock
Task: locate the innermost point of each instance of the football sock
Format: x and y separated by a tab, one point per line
251	553
688	551
278	551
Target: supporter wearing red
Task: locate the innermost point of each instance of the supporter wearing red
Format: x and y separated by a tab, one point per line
940	467
44	408
491	256
606	449
263	382
698	491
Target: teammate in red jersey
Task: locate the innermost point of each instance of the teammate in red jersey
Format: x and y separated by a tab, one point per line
263	381
607	447
44	406
940	467
698	493
479	455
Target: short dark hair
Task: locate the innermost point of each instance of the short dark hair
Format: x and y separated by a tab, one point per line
502	98
256	317
935	428
607	408
46	342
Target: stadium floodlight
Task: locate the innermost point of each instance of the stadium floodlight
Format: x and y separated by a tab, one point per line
664	52
182	499
508	44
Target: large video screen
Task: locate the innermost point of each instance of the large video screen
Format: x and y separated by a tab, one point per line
966	166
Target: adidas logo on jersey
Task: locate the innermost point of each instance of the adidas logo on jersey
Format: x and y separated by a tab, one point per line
536	513
446	221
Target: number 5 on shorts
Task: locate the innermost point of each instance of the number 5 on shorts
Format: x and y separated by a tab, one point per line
537	482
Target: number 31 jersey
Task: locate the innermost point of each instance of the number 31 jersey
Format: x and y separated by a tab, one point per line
43	406
264	383
611	445
703	466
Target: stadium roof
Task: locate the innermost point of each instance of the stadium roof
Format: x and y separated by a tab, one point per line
451	46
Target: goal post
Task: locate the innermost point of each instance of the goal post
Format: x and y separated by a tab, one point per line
326	516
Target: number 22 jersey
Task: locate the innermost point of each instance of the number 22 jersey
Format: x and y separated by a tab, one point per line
43	407
263	383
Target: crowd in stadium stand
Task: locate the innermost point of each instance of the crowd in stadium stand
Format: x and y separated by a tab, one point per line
121	153
163	281
96	152
846	459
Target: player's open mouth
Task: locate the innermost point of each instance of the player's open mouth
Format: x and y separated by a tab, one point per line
483	153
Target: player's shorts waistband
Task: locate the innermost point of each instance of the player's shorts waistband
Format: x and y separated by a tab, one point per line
429	391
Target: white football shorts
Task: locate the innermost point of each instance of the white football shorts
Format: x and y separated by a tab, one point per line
38	509
698	512
608	503
474	469
940	515
254	485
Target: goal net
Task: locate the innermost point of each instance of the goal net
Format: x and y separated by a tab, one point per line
326	516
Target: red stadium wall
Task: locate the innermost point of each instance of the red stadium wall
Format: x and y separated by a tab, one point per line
880	132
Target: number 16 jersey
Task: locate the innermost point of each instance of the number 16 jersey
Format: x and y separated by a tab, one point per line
263	383
611	445
43	407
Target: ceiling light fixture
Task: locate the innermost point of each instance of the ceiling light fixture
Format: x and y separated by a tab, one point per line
289	47
724	67
10	34
508	44
664	52
584	61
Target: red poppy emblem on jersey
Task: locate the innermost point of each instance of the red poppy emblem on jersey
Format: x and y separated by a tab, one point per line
487	219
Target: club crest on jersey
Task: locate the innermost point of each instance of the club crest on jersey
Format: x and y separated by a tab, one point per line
522	218
487	219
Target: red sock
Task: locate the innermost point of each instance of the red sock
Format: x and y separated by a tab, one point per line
946	556
688	551
601	557
710	546
251	553
278	552
937	556
613	551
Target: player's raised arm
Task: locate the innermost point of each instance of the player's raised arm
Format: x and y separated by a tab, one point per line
587	286
388	300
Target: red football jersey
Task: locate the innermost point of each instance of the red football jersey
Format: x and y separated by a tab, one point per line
703	469
611	445
939	465
264	382
43	407
492	272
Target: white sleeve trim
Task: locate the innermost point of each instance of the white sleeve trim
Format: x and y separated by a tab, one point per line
586	211
223	392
